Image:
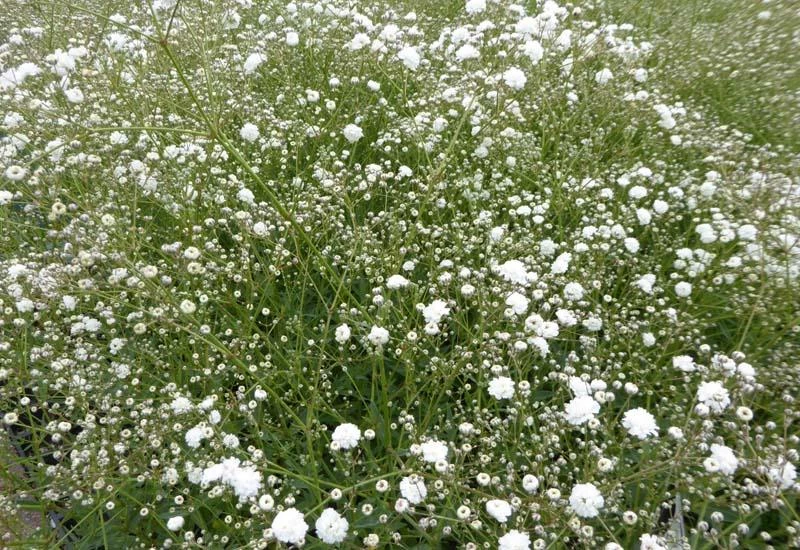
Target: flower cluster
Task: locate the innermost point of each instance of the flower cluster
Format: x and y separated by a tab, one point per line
343	273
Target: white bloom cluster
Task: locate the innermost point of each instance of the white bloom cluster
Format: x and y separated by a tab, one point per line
245	481
357	273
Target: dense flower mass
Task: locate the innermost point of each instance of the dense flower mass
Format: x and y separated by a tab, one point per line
289	526
346	436
499	510
514	540
413	489
385	274
640	423
586	500
331	527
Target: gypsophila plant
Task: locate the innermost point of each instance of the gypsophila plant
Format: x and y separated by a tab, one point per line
401	274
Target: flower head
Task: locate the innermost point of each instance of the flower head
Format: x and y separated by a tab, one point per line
501	387
346	436
581	409
499	509
413	489
289	526
640	423
586	500
331	526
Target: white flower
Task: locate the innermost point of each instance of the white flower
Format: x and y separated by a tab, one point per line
15	172
514	78
352	133
581	409
13	77
252	62
564	40
683	289
561	264
542	328
410	57
194	436
231	20
684	363
249	132
467	51
230	441
342	333
603	76
244	480
573	291
746	370
331	526
586	500
530	483
497	233
501	387
637	192
783	475
396	281
605	464
631	245
346	436
725	459
435	311
266	502
181	405
498	509
246	196
747	232
533	49
475	6
527	25
359	41
260	229
660	207
434	451
566	317
714	396
514	271
579	387
74	95
401	506
744	413
711	465
175	523
292	39
593	323
650	542
289	526
378	336
413	489
514	540
675	433
639	423
517	302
